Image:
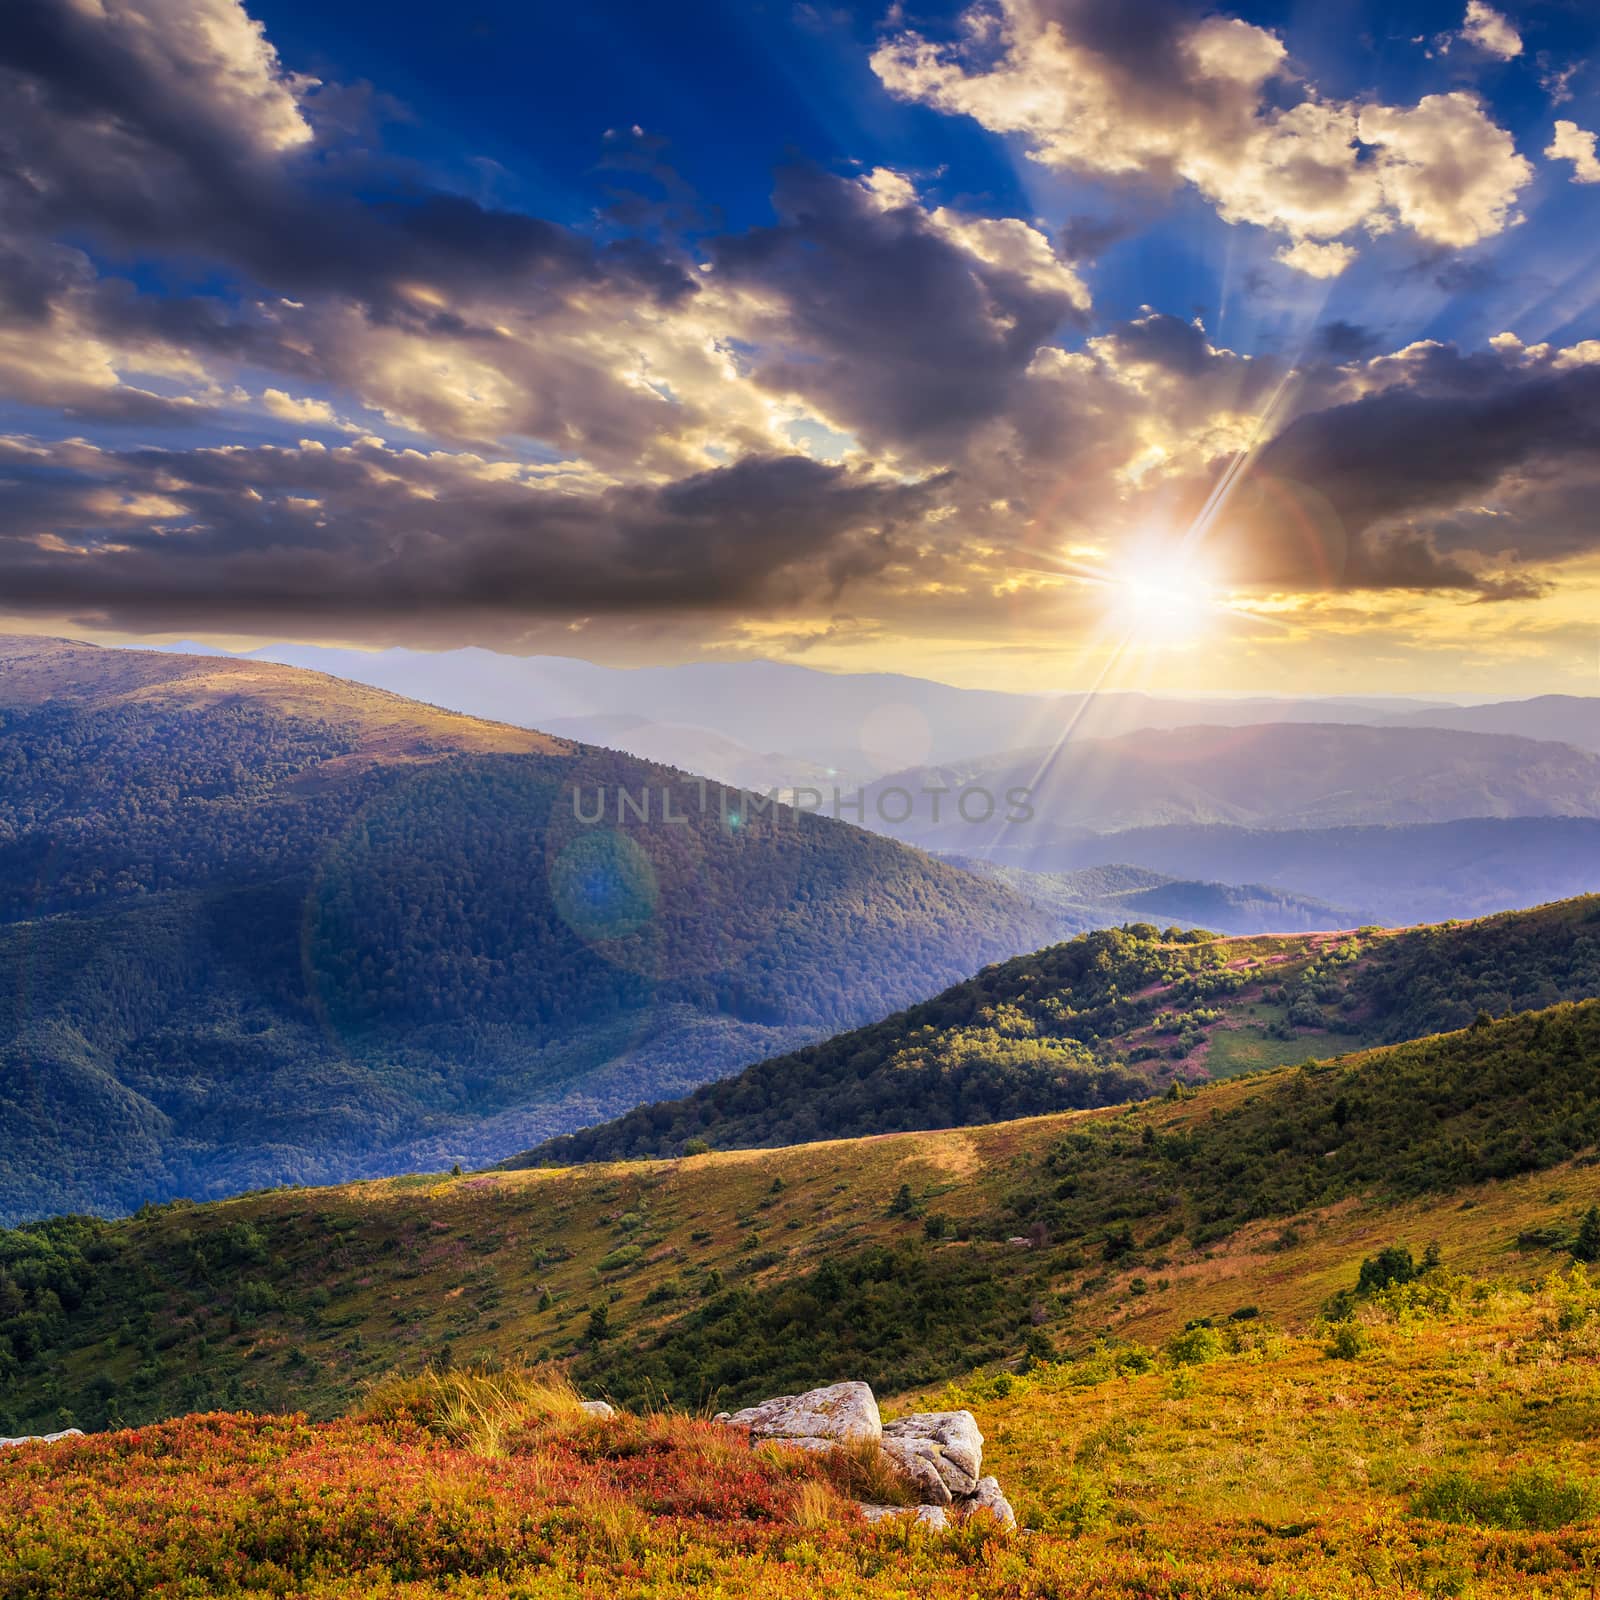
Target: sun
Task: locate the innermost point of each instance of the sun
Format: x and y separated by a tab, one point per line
1163	600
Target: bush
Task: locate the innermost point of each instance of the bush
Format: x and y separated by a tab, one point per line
1390	1266
1195	1346
1347	1342
1534	1500
623	1256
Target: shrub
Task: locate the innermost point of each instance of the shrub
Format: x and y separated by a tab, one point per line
1390	1266
1347	1341
1534	1500
623	1256
1195	1346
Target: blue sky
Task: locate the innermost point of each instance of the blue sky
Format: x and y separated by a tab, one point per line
916	337
736	89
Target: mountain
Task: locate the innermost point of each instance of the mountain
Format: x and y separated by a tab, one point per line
711	755
259	925
892	1259
1120	1014
1425	872
1564	718
1271	776
1102	897
847	722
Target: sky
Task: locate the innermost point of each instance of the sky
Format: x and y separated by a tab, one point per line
1027	344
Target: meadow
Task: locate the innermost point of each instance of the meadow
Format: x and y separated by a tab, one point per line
1440	1442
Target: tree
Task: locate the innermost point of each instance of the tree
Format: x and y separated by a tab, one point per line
1586	1247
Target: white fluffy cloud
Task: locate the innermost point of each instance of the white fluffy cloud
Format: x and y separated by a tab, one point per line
1490	31
1576	145
1203	102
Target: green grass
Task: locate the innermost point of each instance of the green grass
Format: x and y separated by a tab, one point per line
762	1270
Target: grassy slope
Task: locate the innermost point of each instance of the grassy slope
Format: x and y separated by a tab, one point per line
1117	1013
35	670
1450	1449
263	925
740	1274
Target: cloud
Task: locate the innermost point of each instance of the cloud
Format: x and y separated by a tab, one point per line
1490	32
175	539
1316	260
297	410
1438	471
1448	173
608	426
1148	92
906	325
1576	145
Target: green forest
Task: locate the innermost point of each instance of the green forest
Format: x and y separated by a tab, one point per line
1117	1014
244	944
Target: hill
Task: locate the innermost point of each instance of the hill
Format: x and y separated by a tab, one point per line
1120	1014
1428	872
1099	897
894	1259
258	925
1277	775
1567	718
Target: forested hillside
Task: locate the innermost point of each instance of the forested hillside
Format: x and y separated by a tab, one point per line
257	926
899	1260
1119	1014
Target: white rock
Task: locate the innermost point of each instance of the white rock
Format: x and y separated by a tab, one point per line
841	1413
597	1408
44	1438
988	1501
933	1518
949	1441
879	1513
914	1460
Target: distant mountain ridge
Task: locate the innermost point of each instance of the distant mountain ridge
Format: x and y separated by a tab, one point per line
1395	874
1099	897
1286	775
851	722
260	925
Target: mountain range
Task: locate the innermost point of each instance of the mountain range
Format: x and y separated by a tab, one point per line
853	724
260	925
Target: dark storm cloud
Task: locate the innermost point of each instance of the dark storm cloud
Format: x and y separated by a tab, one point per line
1422	448
104	129
890	323
162	538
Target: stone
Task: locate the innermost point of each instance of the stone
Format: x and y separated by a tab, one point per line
597	1408
933	1518
44	1438
914	1461
988	1501
840	1413
948	1441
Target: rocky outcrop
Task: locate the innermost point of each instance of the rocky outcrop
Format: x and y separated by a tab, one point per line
945	1444
44	1438
597	1408
842	1413
939	1453
989	1502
